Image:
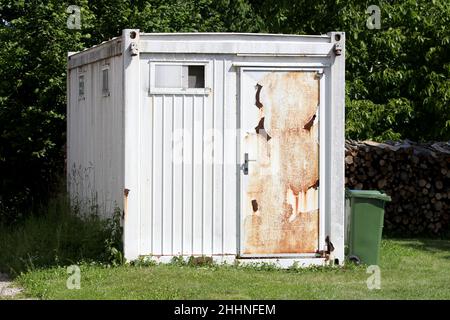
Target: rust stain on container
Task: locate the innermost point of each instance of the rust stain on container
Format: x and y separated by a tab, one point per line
282	213
310	123
255	205
258	92
261	130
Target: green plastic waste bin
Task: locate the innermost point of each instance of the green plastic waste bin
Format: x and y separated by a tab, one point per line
365	215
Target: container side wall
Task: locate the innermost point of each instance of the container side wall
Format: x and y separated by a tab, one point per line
95	137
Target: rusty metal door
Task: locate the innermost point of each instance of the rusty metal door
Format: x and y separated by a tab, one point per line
279	151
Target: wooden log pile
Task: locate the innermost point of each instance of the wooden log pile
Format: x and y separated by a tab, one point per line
416	176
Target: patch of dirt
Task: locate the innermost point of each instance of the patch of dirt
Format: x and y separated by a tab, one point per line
6	288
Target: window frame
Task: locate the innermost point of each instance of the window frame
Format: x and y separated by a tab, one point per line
81	76
107	92
152	77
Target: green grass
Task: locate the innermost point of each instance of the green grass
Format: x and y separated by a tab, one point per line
37	251
410	269
56	235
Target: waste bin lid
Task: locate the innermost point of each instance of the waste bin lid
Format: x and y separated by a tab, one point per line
370	194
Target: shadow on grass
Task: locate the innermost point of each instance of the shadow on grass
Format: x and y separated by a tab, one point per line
428	245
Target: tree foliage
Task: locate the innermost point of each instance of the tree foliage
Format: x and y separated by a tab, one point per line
35	41
397	77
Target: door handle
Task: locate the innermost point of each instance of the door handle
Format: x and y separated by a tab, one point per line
245	164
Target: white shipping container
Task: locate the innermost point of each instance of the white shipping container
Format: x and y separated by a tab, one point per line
213	144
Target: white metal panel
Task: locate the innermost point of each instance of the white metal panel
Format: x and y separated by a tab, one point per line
208	189
132	150
167	183
238	43
231	166
218	157
242	47
157	178
234	36
146	165
188	167
188	174
336	115
198	175
102	51
178	191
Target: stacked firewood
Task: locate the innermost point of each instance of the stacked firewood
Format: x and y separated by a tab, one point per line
416	176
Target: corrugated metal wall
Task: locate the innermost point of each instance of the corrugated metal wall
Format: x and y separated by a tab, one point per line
188	165
95	137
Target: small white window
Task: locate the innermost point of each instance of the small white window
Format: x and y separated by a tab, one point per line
81	86
174	77
167	76
105	81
